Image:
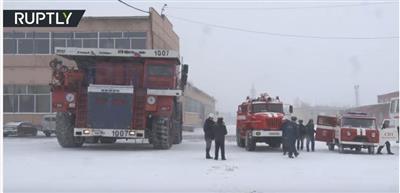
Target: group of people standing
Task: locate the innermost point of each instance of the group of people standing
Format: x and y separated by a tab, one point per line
293	132
215	131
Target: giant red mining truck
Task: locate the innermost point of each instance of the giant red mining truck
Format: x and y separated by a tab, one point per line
118	94
260	120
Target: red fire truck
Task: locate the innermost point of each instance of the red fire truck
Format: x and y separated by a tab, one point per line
260	120
118	94
352	130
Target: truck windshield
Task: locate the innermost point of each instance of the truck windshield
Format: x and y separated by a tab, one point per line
160	70
354	122
267	107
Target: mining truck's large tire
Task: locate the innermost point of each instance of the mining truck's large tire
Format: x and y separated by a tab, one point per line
250	143
178	135
65	131
239	141
161	138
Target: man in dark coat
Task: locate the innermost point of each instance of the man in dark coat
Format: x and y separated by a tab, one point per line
310	131
302	133
291	132
209	133
284	138
219	134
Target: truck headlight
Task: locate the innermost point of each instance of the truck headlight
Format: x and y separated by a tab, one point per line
151	100
69	97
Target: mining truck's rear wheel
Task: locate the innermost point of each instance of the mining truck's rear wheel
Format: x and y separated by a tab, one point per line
250	143
161	138
65	131
239	141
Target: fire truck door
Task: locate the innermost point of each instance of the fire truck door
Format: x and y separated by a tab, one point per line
325	128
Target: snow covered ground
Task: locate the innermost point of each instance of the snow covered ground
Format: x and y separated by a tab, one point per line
39	164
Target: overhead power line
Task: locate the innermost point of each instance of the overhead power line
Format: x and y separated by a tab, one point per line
123	2
283	34
283	8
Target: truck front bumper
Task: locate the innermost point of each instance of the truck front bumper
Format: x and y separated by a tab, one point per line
358	143
264	133
117	133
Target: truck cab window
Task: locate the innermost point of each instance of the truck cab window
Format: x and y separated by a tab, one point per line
160	70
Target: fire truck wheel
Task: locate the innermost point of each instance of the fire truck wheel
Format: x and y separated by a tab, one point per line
358	149
160	132
34	132
371	150
331	147
65	131
250	143
239	141
47	133
108	140
91	140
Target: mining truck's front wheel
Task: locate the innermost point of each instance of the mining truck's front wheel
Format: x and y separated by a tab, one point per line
161	134
65	131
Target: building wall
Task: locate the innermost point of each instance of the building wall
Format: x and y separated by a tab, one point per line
385	98
379	111
196	105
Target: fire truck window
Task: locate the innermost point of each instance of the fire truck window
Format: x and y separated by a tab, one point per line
363	123
327	121
160	70
276	108
256	108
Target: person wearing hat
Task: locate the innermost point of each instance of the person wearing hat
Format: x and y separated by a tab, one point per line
302	134
209	133
219	133
291	132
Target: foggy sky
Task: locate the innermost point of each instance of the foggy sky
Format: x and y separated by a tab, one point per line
226	63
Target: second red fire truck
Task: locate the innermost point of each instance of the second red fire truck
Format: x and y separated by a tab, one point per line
352	130
260	120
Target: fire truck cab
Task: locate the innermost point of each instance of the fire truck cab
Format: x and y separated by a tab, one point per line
260	120
352	130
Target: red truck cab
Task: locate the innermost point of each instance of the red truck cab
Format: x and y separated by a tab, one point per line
260	120
351	130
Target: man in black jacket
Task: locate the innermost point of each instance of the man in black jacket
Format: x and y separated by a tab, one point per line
302	133
209	134
310	131
291	132
219	133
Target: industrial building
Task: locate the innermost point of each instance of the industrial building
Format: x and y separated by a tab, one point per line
27	52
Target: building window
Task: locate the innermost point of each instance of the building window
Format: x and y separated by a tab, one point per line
106	43
10	46
122	43
25	46
42	46
110	34
90	43
138	43
45	42
74	43
27	99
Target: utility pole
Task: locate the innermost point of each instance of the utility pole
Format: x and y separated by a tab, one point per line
356	88
252	92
